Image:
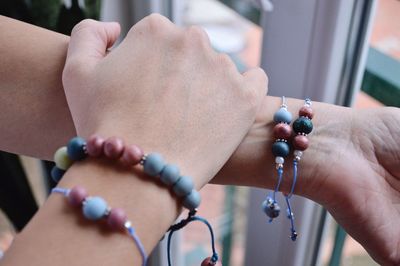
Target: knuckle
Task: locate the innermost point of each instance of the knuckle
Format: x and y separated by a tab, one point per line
83	25
156	23
198	37
225	62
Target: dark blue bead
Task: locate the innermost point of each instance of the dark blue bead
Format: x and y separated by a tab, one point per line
76	149
293	236
57	174
280	149
303	125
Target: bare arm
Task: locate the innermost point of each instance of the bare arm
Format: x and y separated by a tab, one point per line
34	115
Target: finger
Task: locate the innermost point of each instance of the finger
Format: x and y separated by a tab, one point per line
256	79
90	40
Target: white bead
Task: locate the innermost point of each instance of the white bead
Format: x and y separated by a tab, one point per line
128	224
298	153
279	160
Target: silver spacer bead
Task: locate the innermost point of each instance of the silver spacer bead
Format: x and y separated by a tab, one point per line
279	166
84	202
307	102
143	159
85	149
108	211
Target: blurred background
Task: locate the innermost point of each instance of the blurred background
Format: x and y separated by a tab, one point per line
345	52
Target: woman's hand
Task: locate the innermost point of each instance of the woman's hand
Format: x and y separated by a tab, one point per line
360	181
163	88
352	168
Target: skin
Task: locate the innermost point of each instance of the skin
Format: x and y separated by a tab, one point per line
351	166
29	123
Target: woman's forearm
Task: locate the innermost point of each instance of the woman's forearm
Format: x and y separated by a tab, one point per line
59	235
34	115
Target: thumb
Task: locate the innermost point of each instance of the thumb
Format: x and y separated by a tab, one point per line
90	40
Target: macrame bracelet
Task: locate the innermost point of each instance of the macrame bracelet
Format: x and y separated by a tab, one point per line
280	149
114	149
96	208
210	261
302	126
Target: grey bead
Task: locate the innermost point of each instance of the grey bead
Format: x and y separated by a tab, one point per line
183	186
283	115
154	164
192	201
170	174
271	208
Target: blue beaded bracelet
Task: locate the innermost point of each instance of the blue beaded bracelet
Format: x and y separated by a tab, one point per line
96	208
280	149
113	148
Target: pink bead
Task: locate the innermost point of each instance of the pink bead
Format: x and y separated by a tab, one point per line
132	155
116	219
300	142
77	195
113	148
94	146
207	262
282	131
306	111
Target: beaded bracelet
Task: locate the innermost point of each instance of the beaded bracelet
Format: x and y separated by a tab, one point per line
96	208
302	126
114	149
280	149
153	165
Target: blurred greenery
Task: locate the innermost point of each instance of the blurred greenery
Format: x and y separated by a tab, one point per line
50	14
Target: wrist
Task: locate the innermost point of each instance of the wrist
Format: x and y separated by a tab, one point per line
253	163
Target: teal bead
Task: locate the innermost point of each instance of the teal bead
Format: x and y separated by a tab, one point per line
76	149
192	201
303	125
154	164
170	174
280	149
183	186
94	208
57	174
283	116
61	159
